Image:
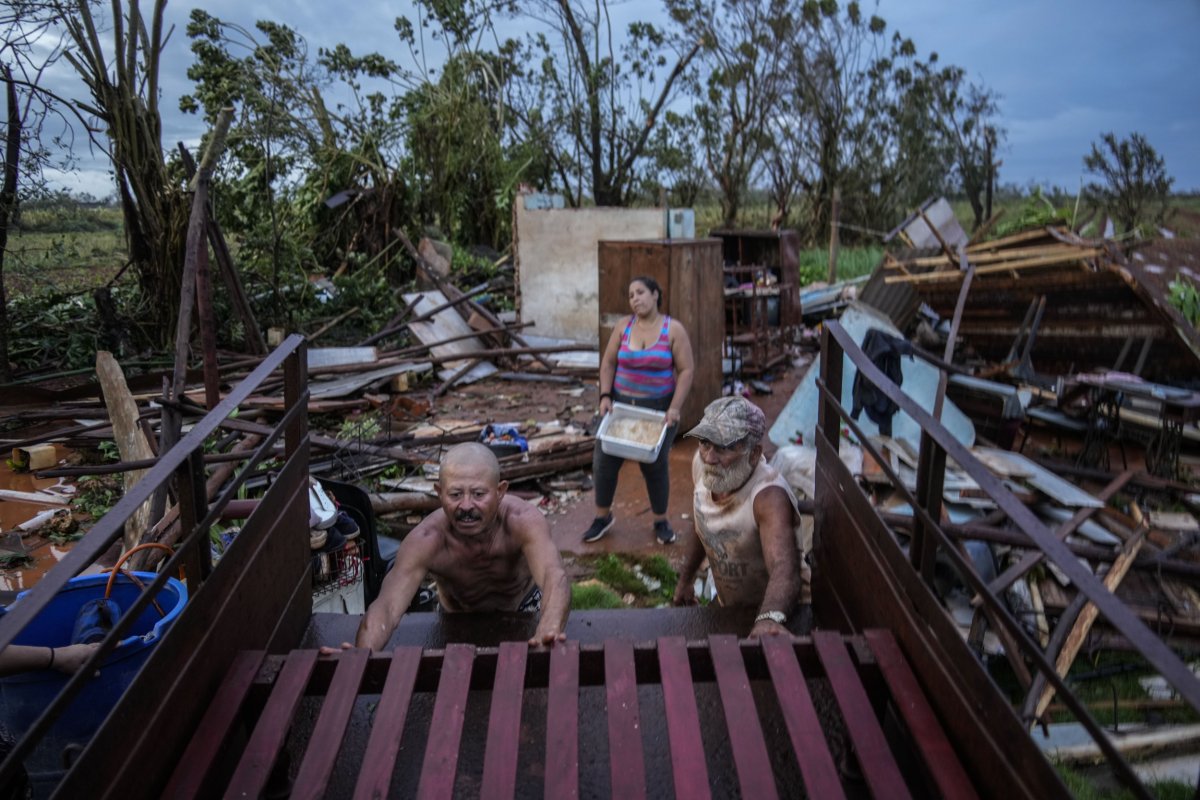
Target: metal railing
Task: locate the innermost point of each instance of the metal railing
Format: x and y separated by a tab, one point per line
182	463
929	540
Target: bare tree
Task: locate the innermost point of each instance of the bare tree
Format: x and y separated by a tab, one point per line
593	102
747	44
31	42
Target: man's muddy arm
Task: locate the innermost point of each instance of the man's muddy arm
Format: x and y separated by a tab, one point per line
773	513
545	565
397	592
685	588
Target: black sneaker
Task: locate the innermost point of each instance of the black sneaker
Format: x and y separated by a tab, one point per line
345	525
600	526
663	531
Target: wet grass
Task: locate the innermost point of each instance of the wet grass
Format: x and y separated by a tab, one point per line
1083	788
635	583
68	249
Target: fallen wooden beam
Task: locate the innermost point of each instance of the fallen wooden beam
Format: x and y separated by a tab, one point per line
1020	264
1087	617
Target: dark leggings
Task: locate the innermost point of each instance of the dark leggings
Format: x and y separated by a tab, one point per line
605	468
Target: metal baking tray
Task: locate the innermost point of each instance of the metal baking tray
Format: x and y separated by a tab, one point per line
625	448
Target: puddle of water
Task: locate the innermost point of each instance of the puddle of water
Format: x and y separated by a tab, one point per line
12	513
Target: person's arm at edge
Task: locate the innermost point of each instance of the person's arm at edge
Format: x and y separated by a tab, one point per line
773	514
608	369
685	367
399	587
545	565
68	659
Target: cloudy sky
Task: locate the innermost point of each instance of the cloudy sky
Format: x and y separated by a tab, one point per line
1066	70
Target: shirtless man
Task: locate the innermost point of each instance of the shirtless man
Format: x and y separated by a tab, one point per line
487	550
747	523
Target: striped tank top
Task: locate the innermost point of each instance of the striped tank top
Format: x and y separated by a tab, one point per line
649	372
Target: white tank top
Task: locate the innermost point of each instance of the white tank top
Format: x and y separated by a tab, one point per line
729	534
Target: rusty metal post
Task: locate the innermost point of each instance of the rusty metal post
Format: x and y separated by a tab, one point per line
829	420
193	506
295	390
931	476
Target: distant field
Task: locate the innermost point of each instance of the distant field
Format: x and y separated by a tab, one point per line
68	250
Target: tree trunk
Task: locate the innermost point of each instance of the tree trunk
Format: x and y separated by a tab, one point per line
8	204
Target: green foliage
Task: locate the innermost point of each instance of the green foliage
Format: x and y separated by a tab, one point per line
362	428
1033	212
593	595
12	560
1186	299
95	496
612	570
659	568
1134	186
853	262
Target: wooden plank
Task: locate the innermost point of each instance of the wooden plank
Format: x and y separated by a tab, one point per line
874	757
808	740
755	775
562	722
624	724
317	766
504	723
1087	617
196	764
445	728
131	440
683	720
940	759
1023	263
266	741
375	775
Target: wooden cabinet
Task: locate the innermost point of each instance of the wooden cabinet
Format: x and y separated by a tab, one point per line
690	274
762	295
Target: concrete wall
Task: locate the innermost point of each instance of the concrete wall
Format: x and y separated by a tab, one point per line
557	265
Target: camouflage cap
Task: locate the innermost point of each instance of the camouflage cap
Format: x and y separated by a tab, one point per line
730	420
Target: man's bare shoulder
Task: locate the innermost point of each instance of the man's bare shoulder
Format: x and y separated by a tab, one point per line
522	518
429	536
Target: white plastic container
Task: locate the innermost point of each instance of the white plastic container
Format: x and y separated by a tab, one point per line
627	448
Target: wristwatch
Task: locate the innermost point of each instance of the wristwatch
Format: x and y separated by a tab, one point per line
778	617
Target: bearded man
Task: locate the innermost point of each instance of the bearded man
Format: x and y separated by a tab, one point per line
747	523
487	550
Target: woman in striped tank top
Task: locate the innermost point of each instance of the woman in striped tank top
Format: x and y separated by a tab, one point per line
648	363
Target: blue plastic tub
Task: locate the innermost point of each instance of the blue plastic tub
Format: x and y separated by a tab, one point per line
23	697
